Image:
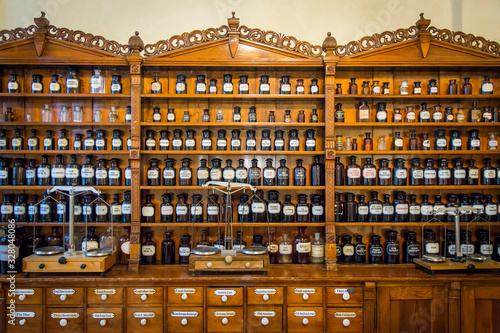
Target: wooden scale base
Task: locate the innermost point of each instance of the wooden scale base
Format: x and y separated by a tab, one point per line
61	263
468	265
238	262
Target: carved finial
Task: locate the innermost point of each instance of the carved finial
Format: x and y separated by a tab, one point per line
233	22
233	14
423	23
41	22
330	43
135	42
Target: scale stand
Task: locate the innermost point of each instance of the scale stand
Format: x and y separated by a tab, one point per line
208	259
45	260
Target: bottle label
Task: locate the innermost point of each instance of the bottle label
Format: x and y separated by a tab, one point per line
167	210
376	209
125	247
95	82
265	143
285	87
254	174
152	174
4	174
474	173
170	116
310	143
30	174
426	144
410	115
425	115
32	142
487	116
430	174
398	143
78	210
16	142
18	210
283	174
362	210
241	174
444	174
437	115
392	248
318	251
354	173
487	87
213	210
288	210
72	173
44	209
314	89
197	210
206	143
432	248
449	117
116	143
43	172
185	174
441	143
382	115
415	210
258	207
236	143
376	251
77	145
180	86
47	142
397	117
101	210
116	210
264	87
251	143
201	87
181	210
303	247
89	245
126	209
439	209
285	249
128	174
213	89
360	249
237	116
184	251
302	210
202	174
228	87
467	249
148	211
489	173
376	90
402	209
294	142
272	248
190	143
72	83
156	117
491	210
278	143
13	85
7	209
418	174
36	86
101	174
300	89
215	174
243	86
176	143
486	249
401	174
348	250
457	142
384	174
221	143
116	87
459	174
228	175
318	210
57	173
88	143
492	143
274	208
364	114
148	250
243	209
155	86
269	173
388	210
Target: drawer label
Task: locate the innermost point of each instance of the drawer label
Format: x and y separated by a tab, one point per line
24	291
63	291
189	314
345	314
265	291
103	315
305	313
344	290
185	290
24	314
224	292
65	315
264	314
105	291
145	291
305	291
144	314
225	313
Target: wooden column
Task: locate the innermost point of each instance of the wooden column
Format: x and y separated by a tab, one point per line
454	295
369	304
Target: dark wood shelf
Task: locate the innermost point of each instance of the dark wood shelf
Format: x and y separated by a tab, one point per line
66	96
229	152
411	224
417	152
235	224
232	96
68	124
396	125
195	187
65	152
230	124
397	96
39	187
421	187
65	224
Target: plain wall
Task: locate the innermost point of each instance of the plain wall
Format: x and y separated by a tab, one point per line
306	20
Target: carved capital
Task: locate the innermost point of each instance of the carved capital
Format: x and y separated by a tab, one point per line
330	70
330	154
135	69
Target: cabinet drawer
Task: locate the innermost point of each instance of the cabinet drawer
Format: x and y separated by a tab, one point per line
345	320
224	319
60	320
185	295
305	319
104	320
142	319
264	318
224	296
104	296
185	319
28	320
344	296
145	295
64	296
265	295
29	296
305	295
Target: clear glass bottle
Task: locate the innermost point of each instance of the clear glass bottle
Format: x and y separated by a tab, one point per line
363	112
47	114
301	250
492	141
285	250
97	85
317	249
403	90
97	116
123	255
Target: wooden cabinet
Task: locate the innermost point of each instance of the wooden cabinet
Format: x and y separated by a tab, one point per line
29	319
305	318
264	318
185	319
225	319
104	320
59	320
480	305
344	320
145	296
149	319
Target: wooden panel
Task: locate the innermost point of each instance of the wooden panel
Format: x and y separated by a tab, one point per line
55	324
144	319
185	319
305	319
185	295
145	295
304	295
105	320
264	318
27	296
480	313
344	296
224	296
265	295
65	296
344	320
28	319
104	296
224	319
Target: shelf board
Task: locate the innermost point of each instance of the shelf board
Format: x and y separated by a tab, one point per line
232	96
409	224
68	124
391	124
229	152
178	187
77	224
235	224
370	265
66	96
42	187
246	124
417	152
393	96
421	187
65	152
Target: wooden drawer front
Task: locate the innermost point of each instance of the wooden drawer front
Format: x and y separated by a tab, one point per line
344	296
144	319
264	318
64	296
60	320
185	295
305	295
224	319
28	320
224	296
104	296
242	265
185	319
145	295
29	296
305	319
265	295
345	320
104	320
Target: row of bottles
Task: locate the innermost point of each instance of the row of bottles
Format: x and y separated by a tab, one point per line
402	210
235	142
228	87
301	249
475	114
392	252
100	142
255	176
61	174
249	209
404	89
417	175
87	208
219	118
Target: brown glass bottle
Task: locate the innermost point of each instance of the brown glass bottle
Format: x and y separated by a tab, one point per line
272	248
353	87
384	173
339	172
148	250
467	87
413	142
353	173
184	249
416	172
55	238
444	173
168	250
124	247
301	250
367	142
430	173
148	210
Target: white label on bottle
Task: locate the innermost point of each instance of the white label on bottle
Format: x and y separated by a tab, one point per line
155	86
410	115
362	210
459	174
382	115
388	210
101	210
213	210
444	174
167	210
190	142
61	209
185	174
170	116
221	143
273	208
449	117
439	209
294	142
314	89
489	173
289	210
426	210
348	250
457	142
269	173
72	173
384	174
303	247
101	174
266	143
434	90
318	251
19	210
310	143
414	210
467	249
57	172
437	116
228	174
243	210
402	209
47	142
148	211
4	174
364	114
148	250
213	89
197	210
32	142
165	143
474	173
30	174
397	117
36	86
77	210
264	87
128	174
116	87
441	142
89	245
95	82
491	210
432	248
116	143
426	143
418	174
354	173
126	208
215	174
116	210
13	85
486	249
206	142
243	87
177	142
303	210
181	210
285	248
7	209
401	174
241	174
493	144
88	143
184	251
180	86
16	142
168	173
398	142
430	174
228	87
77	145
376	90
318	210
278	143
235	143
258	207
43	172
202	174
300	89
152	174
487	87
285	87
375	209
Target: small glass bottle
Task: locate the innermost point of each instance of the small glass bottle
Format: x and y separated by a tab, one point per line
237	115
411	247
156	86
264	87
338	89
397	116
339	113
365	88
148	250
353	87
301	118
13	85
180	85
201	86
448	115
317	249
97	85
314	86
148	210
475	113
299	88
363	112
375	250
97	116
417	89
227	87
185	117
47	114
156	115
185	172
492	141
455	140
72	83
381	115
433	88
376	88
212	89
486	86
437	114
288	117
101	143
403	90
467	87
285	86
452	87
101	173
301	250
37	84
168	249
299	174
391	247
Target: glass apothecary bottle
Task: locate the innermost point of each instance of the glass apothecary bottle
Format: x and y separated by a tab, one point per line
455	140
212	89
31	172
148	210
376	90
227	87
97	85
353	173
299	88
403	90
381	115
365	88
301	250
243	87
77	114
433	88
449	117
492	141
185	117
156	86
397	141
13	85
37	84
437	114
196	209
467	87
299	174
285	86
156	114
363	112
375	250
177	141
101	143
148	250
169	173
190	143
353	87
391	247
201	86
339	172
123	255
301	118
317	249
206	141
180	86
97	116
213	212
369	173
486	86
101	173
264	87
452	87
440	143
475	113
47	114
72	83
411	247
385	88
338	89
339	113
310	140
18	141
185	172
168	249
314	90
55	86
486	116
430	245
237	115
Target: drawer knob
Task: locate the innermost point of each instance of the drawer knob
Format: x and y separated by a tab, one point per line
63	322
144	297
264	321
265	297
346	322
184	321
22	322
41	266
305	321
224	298
305	297
143	322
83	266
184	296
209	264
62	260
102	322
22	297
346	296
228	259
225	321
63	297
104	297
247	265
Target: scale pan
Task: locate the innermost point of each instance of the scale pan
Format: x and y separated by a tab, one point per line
433	258
254	250
205	250
98	252
49	250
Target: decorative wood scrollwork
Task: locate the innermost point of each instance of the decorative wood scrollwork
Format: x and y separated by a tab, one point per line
16	34
467	40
